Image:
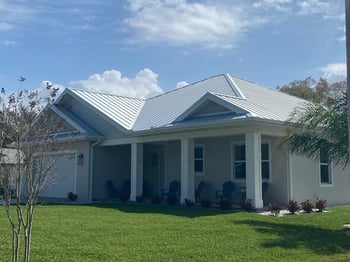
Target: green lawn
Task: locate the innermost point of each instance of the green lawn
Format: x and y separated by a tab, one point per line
133	232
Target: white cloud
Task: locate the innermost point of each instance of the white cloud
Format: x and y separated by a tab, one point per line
334	72
181	84
326	8
12	13
8	42
143	85
278	5
207	24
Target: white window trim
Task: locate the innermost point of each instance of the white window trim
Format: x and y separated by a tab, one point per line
330	173
203	159
270	166
233	174
233	171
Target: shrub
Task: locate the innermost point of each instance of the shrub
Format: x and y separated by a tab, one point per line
172	199
274	208
225	204
71	196
248	205
320	204
206	203
156	200
140	199
307	206
293	206
189	202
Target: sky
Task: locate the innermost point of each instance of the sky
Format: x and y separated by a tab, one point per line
141	48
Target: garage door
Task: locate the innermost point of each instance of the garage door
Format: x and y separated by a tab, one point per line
64	180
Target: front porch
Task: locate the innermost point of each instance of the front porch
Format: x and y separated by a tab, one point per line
247	159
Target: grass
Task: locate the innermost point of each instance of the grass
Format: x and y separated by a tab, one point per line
132	232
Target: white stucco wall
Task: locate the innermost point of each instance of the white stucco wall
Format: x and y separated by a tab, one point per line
306	182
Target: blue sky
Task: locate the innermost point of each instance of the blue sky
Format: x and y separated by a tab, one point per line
142	47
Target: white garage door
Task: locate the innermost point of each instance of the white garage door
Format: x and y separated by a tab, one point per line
64	180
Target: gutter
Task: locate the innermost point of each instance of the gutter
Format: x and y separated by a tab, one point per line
201	126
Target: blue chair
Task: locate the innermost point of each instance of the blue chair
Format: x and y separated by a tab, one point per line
174	190
198	191
226	192
112	193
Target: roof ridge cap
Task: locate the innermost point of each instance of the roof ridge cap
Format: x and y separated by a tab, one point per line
104	93
233	85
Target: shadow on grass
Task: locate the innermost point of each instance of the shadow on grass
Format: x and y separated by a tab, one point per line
145	208
321	241
174	210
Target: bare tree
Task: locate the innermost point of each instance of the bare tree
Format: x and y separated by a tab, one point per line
29	132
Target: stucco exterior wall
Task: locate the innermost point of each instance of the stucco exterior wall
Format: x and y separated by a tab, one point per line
217	164
278	183
172	162
306	182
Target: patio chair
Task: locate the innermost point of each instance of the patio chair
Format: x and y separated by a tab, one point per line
198	191
174	190
226	192
112	192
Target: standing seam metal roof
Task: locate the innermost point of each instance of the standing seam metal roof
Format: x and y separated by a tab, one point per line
163	110
122	110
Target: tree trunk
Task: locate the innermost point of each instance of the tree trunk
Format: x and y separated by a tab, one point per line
28	232
15	245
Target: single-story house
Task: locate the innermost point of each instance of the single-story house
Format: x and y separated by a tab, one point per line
223	128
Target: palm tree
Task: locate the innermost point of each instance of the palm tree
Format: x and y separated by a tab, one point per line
315	128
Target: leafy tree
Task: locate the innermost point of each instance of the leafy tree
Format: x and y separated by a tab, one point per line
320	92
29	133
316	128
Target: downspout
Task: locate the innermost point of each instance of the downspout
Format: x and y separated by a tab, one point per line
91	166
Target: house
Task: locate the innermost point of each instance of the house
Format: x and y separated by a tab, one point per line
223	128
8	162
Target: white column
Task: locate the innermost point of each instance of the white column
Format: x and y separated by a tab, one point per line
136	170
253	168
187	169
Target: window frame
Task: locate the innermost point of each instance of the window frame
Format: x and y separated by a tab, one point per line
330	172
266	161
234	161
199	159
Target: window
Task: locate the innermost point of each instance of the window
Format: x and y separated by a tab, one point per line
265	161
240	161
199	160
325	170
